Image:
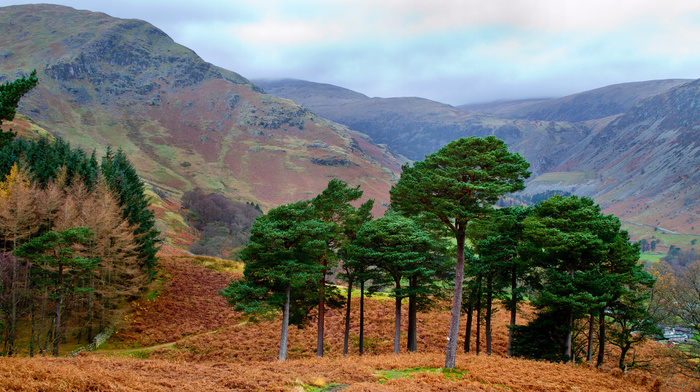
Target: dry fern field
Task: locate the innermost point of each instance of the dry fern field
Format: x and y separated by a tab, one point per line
183	336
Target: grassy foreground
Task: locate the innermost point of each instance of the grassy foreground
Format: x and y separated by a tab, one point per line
188	339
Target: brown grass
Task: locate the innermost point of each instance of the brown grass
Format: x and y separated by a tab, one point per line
358	373
217	349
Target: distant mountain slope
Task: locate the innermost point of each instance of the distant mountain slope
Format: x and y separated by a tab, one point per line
648	159
634	153
415	127
183	122
589	105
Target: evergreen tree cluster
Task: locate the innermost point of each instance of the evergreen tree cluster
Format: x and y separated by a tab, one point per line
45	160
76	236
77	241
575	264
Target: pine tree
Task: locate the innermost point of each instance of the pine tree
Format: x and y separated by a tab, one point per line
281	271
398	246
352	272
10	95
58	264
454	186
332	206
123	180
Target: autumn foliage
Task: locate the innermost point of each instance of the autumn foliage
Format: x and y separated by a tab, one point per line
200	343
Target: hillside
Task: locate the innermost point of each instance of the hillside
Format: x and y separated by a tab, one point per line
648	160
184	123
415	127
162	344
565	140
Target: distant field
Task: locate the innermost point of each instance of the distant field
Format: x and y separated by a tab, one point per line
651	257
564	178
664	239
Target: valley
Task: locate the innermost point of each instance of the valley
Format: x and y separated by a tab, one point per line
210	146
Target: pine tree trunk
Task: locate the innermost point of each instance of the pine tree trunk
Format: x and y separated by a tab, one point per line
569	335
412	338
321	312
57	332
31	331
451	350
397	319
478	318
489	303
601	338
346	338
468	331
591	331
285	325
362	317
513	310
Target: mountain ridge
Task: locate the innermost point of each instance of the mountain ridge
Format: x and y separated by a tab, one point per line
588	105
561	152
183	122
415	127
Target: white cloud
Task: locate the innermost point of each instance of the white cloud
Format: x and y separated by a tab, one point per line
439	49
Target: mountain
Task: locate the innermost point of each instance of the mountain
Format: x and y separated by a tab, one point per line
415	127
648	159
629	146
183	122
588	105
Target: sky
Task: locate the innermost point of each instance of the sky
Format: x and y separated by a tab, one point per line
451	51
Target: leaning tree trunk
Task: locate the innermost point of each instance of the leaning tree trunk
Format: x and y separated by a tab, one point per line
623	354
346	338
451	350
285	324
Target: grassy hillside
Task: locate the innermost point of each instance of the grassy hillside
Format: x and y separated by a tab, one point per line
184	123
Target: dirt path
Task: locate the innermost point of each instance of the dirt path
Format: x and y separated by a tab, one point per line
132	350
162	345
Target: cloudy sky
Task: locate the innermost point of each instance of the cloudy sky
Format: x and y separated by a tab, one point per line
453	51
